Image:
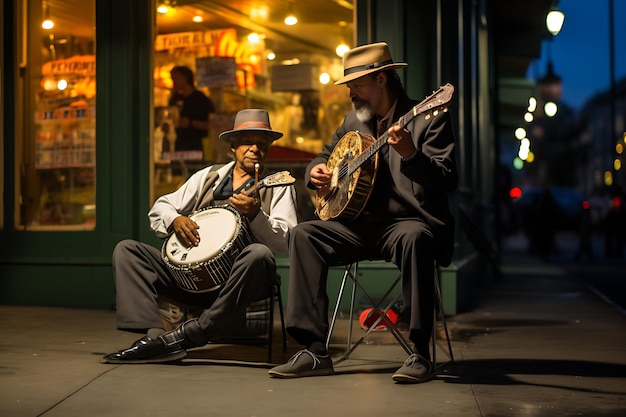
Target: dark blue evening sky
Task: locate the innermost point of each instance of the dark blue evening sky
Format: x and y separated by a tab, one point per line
580	52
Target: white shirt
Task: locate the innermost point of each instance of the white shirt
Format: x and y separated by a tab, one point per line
270	229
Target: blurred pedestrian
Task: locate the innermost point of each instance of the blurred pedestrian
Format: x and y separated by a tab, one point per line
615	228
193	109
585	236
546	212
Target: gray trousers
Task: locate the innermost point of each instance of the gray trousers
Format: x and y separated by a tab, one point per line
316	245
141	277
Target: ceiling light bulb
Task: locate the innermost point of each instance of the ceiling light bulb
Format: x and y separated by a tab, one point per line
163	8
197	19
342	49
47	24
254	38
291	20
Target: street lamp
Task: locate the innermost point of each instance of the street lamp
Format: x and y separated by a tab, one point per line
554	21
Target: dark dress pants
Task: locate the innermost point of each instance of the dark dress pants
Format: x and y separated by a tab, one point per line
317	245
141	276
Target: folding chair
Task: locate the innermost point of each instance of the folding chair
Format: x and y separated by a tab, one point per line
351	273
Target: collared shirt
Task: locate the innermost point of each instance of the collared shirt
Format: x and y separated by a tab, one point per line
270	228
386	200
384	123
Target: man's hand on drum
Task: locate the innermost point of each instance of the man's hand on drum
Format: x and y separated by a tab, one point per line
248	206
186	230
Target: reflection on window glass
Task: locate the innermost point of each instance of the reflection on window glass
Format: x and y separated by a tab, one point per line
290	73
57	186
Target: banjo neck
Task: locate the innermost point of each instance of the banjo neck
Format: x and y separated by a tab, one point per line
274	180
430	105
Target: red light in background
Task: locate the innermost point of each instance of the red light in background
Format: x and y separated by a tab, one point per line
515	192
586	205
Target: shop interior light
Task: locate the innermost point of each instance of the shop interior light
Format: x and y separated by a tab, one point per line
197	18
163	7
291	18
342	48
47	22
254	38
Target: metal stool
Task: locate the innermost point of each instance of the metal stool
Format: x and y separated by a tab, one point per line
350	273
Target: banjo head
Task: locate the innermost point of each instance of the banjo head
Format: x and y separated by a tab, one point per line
218	226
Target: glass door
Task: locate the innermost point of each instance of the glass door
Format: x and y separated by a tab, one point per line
56	140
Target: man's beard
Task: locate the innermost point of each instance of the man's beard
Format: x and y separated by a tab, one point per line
248	166
364	111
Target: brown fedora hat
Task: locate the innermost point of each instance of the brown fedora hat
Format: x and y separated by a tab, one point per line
366	59
251	120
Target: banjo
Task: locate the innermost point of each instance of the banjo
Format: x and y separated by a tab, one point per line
354	162
224	232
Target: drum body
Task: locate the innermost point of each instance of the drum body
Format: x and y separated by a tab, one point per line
203	268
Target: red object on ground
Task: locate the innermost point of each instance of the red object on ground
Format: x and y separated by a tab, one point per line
369	317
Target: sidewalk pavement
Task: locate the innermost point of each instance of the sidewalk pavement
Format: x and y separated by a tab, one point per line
538	343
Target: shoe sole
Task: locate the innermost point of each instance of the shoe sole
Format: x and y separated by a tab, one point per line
321	372
159	359
408	379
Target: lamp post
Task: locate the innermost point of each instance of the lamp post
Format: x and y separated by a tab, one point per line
612	110
554	21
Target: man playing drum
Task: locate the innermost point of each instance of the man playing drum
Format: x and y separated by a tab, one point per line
143	274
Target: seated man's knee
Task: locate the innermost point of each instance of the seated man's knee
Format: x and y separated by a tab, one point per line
258	253
123	247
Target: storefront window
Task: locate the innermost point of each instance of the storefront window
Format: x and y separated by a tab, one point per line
247	57
56	153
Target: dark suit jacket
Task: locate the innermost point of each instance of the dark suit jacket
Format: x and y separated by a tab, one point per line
426	179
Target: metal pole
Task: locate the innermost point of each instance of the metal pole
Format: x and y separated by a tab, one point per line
612	89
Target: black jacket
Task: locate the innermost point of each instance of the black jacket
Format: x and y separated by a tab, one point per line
424	180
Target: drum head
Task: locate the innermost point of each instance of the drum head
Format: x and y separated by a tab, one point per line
218	227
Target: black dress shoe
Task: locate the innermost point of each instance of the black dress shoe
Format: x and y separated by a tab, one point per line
166	348
147	350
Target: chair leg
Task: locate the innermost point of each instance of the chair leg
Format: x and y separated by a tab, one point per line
331	326
276	296
270	330
439	309
351	273
282	316
382	316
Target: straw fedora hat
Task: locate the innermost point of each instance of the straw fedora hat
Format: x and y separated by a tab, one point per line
251	120
366	59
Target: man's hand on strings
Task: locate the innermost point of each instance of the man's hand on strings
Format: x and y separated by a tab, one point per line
321	177
400	140
249	206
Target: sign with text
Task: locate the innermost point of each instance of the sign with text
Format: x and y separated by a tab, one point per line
216	72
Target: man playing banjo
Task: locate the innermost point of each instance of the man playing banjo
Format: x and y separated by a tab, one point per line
402	213
258	220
